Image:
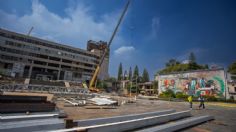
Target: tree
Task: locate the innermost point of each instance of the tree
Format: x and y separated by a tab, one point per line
232	68
192	58
120	72
206	66
136	72
145	77
130	73
125	75
172	62
111	79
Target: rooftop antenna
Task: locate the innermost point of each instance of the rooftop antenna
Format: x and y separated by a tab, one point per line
28	34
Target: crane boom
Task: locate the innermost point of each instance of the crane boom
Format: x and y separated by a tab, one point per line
91	83
28	34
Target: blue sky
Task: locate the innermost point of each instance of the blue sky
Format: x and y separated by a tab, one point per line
153	31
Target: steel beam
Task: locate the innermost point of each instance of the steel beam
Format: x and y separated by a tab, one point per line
179	125
99	121
131	124
32	125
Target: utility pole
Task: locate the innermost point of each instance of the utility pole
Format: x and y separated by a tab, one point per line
136	86
130	89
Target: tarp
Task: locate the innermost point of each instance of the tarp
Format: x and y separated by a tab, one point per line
102	101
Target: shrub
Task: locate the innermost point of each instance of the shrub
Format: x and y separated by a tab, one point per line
167	94
231	100
181	95
210	98
231	97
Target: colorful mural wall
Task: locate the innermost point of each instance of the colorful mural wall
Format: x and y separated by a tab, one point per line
204	82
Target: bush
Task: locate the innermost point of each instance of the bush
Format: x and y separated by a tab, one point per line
231	100
181	95
210	98
231	97
167	94
162	95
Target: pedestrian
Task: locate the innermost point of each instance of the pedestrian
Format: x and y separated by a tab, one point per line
201	100
190	100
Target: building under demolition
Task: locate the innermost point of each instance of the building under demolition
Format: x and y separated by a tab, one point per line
30	57
205	82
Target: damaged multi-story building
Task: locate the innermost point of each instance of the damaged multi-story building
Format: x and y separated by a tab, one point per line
24	56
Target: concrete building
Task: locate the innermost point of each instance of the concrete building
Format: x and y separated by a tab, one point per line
31	57
231	83
98	49
206	82
147	88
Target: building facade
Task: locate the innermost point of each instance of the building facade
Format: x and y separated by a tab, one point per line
205	82
231	83
98	48
30	57
147	88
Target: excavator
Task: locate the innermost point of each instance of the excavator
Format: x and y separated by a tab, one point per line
92	87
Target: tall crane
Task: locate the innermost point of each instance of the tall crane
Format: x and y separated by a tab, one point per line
92	81
28	34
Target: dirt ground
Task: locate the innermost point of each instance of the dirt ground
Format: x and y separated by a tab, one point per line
225	117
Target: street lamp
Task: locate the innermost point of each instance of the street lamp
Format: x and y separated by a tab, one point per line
130	89
136	86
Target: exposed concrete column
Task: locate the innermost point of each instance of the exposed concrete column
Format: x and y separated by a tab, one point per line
30	71
58	74
59	70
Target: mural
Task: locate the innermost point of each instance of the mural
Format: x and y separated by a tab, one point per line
205	82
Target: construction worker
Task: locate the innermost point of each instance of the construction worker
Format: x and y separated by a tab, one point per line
201	100
190	100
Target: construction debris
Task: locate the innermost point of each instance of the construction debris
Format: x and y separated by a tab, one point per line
100	107
103	101
75	102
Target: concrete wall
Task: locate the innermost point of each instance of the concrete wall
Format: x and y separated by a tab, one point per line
205	82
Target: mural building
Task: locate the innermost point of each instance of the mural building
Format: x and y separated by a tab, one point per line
199	82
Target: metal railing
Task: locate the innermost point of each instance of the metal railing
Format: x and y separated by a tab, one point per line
42	89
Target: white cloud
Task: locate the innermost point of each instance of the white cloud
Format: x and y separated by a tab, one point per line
76	28
124	49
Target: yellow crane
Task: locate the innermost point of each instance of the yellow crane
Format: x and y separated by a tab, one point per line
94	77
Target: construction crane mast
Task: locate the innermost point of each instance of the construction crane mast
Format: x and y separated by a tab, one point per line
92	81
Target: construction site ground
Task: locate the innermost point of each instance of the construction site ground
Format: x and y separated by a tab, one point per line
225	114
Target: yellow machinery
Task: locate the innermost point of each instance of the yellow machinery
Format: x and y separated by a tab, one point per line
93	79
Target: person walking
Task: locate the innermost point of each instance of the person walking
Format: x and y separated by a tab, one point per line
190	100
201	100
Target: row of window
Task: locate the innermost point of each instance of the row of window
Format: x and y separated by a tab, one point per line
28	40
44	56
12	58
47	51
24	53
